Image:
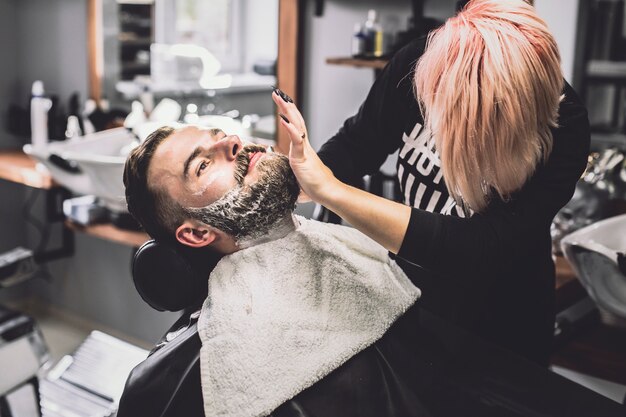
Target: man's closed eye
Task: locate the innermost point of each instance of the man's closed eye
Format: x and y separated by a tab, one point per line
201	167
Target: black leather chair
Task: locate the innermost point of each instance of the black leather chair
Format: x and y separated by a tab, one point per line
167	383
422	366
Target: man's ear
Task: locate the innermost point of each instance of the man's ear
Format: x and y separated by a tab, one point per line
195	234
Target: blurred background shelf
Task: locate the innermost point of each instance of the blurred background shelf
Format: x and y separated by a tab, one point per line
608	140
17	167
358	62
110	232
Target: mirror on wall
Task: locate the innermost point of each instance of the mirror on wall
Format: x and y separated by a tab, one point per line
216	58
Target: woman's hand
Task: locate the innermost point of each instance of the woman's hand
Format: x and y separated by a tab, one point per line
383	220
315	178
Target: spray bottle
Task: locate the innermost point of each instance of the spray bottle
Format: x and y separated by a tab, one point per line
39	107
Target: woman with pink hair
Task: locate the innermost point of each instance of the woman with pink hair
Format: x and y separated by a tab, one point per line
491	142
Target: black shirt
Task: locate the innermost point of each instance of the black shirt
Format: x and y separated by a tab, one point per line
490	272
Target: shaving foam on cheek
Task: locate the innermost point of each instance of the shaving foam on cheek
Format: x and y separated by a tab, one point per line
209	182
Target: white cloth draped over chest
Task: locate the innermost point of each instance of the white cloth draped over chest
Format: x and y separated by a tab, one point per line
283	314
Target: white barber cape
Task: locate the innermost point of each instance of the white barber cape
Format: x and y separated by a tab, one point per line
283	314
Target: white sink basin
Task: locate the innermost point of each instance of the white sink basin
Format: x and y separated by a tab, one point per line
593	253
92	164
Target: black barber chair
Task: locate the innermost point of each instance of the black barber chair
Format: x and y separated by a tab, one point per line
422	366
167	383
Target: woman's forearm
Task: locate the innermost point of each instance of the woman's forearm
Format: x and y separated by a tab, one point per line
383	220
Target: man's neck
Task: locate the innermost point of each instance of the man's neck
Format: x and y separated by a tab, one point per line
279	230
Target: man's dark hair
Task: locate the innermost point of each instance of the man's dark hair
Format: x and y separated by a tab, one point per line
152	207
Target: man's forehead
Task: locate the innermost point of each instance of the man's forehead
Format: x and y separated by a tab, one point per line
168	160
183	141
190	132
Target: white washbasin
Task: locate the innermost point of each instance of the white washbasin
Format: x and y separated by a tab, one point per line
92	164
593	253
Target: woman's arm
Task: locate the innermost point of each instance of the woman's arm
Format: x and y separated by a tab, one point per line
431	240
383	220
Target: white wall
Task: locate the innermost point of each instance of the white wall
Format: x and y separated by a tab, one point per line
562	19
12	227
332	93
8	69
52	37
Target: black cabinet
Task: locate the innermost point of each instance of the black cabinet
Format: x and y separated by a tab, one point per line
600	70
136	34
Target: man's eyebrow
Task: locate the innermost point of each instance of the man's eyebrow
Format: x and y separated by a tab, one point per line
189	159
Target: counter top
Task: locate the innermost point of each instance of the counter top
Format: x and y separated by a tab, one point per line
110	232
18	167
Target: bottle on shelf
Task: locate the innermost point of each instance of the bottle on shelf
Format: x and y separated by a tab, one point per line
39	107
358	41
373	35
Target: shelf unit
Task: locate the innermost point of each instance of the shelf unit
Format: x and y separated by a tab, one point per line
136	34
110	232
17	167
600	68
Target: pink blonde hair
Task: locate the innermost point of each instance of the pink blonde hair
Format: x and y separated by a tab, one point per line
489	86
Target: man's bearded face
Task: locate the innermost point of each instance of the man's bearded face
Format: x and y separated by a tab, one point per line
250	211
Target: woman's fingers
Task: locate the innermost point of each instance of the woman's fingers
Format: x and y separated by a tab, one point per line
288	108
296	150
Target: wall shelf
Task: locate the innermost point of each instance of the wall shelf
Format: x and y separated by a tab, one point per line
568	289
17	167
108	231
608	140
377	63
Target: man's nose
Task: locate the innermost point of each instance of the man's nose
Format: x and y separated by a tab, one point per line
230	146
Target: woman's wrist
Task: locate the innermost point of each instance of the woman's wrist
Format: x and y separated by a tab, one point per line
330	194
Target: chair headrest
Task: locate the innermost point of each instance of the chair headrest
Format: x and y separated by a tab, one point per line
172	277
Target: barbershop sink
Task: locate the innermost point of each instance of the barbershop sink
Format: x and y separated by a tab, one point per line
90	165
597	254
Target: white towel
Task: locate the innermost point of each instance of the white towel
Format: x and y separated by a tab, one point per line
283	314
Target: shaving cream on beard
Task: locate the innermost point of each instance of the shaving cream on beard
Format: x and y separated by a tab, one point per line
251	212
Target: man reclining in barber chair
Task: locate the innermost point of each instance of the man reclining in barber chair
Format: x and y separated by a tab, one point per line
301	317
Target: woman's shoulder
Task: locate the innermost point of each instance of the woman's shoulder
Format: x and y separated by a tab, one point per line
402	65
572	109
411	52
572	135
